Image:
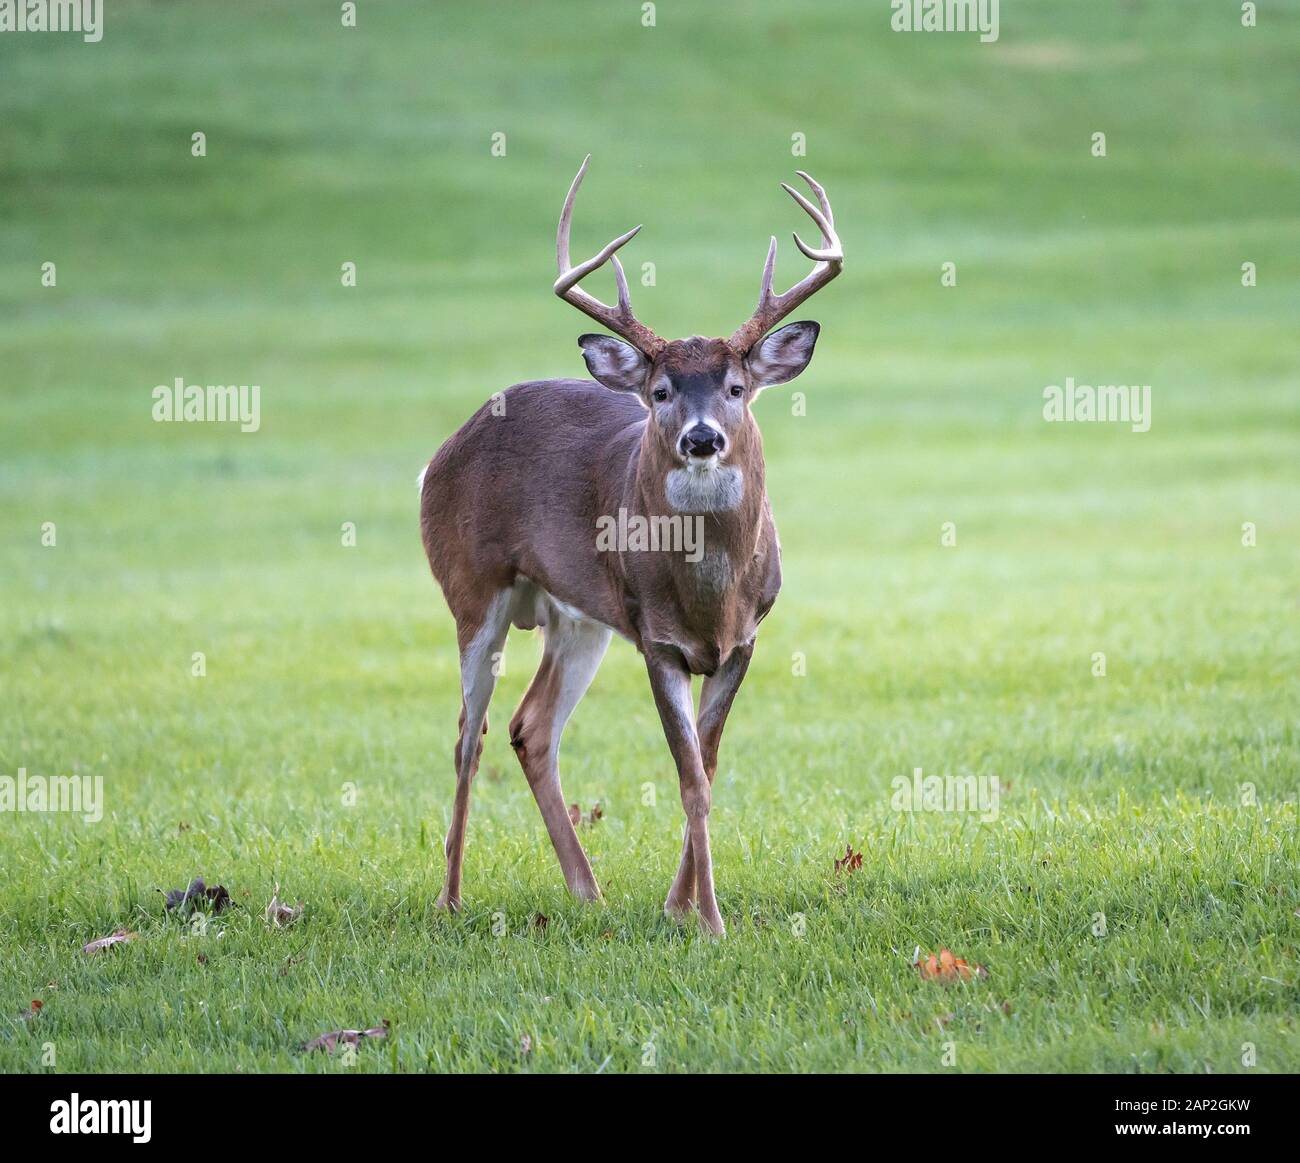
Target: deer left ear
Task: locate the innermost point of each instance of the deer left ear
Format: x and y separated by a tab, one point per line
779	357
617	365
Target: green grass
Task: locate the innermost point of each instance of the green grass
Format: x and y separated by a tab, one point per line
329	666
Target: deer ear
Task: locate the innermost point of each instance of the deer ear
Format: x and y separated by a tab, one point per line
779	357
617	365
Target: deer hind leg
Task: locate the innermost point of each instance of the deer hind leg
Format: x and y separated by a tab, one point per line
573	652
481	640
716	696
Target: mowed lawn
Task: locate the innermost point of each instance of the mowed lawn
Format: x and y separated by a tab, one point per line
1135	900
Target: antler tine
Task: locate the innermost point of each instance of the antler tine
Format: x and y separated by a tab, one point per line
765	292
820	191
566	218
830	243
620	281
619	319
829	258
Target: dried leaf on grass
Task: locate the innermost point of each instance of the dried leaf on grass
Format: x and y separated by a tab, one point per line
852	861
215	898
945	968
331	1041
115	938
280	915
576	816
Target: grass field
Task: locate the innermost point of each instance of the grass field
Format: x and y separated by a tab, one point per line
331	670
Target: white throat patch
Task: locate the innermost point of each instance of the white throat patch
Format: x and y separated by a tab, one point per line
711	490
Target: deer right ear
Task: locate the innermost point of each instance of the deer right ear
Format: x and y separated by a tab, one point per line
617	365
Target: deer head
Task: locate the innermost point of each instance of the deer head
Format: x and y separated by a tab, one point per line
698	391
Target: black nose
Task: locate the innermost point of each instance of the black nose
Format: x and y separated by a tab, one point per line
702	441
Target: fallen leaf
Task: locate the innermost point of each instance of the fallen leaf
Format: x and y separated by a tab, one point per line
28	1014
576	817
525	1044
852	861
348	1037
115	938
540	920
280	915
216	898
946	968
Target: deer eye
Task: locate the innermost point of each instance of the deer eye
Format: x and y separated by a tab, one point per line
737	390
660	395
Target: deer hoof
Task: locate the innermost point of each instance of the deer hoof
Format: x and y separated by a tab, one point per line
678	910
711	923
450	904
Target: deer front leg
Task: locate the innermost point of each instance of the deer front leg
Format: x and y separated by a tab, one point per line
716	695
671	683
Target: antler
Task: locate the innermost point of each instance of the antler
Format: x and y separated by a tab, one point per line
620	319
829	258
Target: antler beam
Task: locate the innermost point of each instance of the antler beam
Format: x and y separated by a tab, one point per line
618	319
829	258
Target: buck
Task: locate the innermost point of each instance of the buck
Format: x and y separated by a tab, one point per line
509	512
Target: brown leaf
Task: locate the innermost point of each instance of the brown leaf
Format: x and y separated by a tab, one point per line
114	938
216	898
347	1037
28	1014
280	915
576	818
946	968
525	1044
540	921
852	861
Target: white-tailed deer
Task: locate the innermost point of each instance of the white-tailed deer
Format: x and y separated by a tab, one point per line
511	511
